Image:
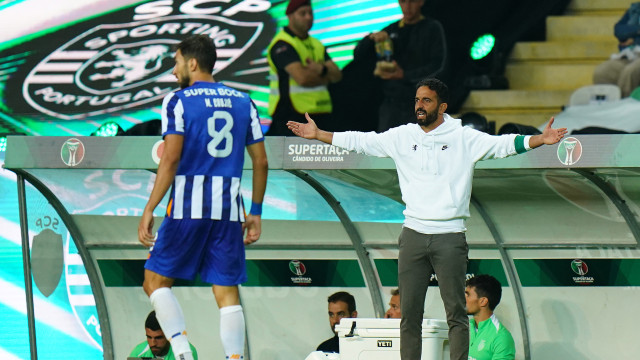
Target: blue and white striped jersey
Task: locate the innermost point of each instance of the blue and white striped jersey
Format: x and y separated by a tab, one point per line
217	122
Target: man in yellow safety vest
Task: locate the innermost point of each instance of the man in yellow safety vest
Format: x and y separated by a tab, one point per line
299	71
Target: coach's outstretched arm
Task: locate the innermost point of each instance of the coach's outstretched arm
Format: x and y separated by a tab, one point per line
310	130
549	136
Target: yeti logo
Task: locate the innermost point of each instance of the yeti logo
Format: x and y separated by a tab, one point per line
133	66
113	67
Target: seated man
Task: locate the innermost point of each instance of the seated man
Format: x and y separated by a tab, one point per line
341	305
488	338
157	345
394	311
623	68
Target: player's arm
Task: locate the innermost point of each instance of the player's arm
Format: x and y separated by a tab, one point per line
253	222
164	178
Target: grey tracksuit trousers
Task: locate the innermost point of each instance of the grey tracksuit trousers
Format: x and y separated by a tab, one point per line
420	256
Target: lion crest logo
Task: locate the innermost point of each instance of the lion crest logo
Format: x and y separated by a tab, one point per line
130	67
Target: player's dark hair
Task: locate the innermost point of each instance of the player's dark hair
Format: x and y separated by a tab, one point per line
395	292
201	48
440	88
152	322
346	297
487	286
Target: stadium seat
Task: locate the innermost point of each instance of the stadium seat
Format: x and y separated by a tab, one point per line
595	94
513	128
478	122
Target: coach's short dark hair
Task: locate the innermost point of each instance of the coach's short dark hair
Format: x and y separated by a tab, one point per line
487	286
346	297
201	48
152	322
440	88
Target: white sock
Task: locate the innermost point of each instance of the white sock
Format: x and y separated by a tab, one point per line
232	331
171	319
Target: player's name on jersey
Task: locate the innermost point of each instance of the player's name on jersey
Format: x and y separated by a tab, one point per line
218	102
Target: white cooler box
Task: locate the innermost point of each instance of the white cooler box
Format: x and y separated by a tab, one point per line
379	339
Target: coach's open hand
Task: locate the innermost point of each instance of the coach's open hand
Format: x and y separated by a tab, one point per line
310	130
549	136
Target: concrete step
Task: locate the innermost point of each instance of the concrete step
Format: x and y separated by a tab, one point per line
513	100
561	52
543	75
584	28
531	76
598	7
531	107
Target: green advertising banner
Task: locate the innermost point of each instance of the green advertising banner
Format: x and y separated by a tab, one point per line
388	271
324	273
578	272
130	273
347	273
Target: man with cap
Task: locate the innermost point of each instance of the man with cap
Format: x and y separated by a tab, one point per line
299	71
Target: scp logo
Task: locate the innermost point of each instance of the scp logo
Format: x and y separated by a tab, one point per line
111	67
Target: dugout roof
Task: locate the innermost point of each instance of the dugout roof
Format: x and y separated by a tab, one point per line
583	192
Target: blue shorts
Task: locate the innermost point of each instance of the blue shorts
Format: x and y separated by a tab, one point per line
213	248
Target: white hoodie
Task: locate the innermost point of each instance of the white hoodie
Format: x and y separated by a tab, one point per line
435	169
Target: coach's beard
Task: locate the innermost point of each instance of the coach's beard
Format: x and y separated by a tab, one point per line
429	118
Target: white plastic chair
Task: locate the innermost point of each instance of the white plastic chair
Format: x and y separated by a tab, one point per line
595	94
